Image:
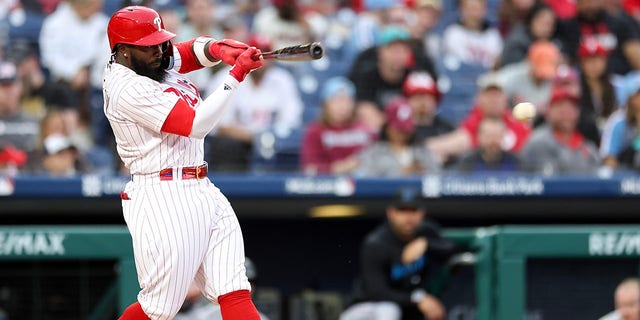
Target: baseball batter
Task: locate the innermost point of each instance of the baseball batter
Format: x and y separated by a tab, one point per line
182	226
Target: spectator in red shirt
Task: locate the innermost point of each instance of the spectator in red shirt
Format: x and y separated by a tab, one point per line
490	102
330	144
557	147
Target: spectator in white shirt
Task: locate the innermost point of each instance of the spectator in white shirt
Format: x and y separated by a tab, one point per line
268	100
71	42
472	40
74	48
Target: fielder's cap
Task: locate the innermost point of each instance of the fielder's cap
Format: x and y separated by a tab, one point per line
56	143
392	34
337	86
544	58
489	81
560	93
407	198
400	117
592	47
420	82
8	72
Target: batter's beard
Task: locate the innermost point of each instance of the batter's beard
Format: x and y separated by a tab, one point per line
158	74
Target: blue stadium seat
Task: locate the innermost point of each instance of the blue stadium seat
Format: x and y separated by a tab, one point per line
27	28
276	152
457	81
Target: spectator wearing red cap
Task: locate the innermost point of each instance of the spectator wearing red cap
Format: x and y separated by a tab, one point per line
379	72
267	100
420	91
620	37
598	99
395	154
557	147
331	144
567	78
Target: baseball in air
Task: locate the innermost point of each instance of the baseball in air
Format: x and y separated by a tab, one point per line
524	111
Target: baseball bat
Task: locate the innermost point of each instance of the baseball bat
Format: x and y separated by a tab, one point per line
301	52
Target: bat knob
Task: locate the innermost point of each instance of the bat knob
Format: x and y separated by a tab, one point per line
316	50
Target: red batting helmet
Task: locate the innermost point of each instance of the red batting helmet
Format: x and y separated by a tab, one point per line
137	25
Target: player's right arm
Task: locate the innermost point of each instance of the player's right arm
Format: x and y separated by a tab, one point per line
197	123
206	52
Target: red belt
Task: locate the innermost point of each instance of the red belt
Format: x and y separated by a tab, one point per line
197	172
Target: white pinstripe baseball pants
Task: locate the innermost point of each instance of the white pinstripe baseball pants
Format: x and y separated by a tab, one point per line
182	230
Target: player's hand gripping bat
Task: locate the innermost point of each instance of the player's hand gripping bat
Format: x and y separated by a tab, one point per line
302	52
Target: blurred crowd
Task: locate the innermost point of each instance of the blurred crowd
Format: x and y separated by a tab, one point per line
405	87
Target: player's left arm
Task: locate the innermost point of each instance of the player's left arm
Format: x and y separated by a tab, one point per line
206	52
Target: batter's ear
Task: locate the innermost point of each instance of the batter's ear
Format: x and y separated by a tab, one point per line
121	49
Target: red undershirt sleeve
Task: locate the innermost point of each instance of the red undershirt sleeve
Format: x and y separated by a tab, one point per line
189	59
180	119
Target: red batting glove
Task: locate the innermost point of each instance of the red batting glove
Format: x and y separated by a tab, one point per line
227	50
245	63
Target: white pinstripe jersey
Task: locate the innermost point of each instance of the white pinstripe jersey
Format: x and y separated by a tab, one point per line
137	107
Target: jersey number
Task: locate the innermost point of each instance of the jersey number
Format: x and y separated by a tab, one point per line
192	102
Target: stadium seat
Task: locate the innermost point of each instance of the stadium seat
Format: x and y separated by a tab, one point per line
457	81
276	151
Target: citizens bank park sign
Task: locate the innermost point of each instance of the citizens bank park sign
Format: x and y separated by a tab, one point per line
437	186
